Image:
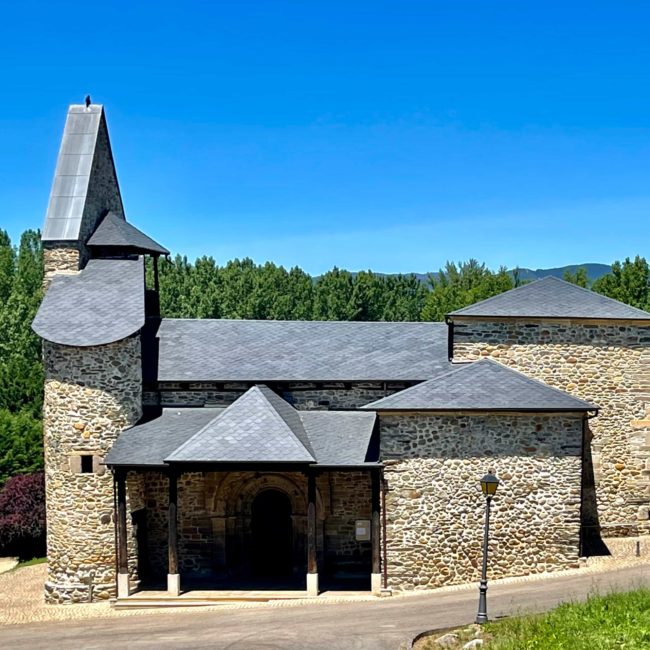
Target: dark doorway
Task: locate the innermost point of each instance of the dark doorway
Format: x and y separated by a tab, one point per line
272	535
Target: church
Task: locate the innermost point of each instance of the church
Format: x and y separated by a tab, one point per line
306	457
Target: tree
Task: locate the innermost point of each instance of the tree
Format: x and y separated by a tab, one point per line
22	516
629	282
579	277
458	286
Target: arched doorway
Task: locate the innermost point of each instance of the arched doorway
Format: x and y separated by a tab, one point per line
272	535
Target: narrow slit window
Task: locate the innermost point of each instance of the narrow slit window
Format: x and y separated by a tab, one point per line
86	464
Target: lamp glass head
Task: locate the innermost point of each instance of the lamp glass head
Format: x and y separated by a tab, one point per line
489	484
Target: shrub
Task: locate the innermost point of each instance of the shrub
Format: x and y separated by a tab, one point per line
22	516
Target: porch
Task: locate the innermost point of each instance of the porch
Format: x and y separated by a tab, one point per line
250	534
255	497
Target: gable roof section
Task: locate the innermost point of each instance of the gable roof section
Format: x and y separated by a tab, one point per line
101	304
264	351
481	386
552	297
85	182
116	232
254	429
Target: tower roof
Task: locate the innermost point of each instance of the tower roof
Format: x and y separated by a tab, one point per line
85	183
116	233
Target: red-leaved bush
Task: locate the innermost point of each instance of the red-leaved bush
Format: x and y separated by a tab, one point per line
22	516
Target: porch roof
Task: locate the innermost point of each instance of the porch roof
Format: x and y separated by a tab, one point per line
259	427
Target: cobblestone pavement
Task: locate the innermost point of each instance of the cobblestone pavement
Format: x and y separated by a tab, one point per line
379	624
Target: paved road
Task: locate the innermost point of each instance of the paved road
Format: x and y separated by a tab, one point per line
379	625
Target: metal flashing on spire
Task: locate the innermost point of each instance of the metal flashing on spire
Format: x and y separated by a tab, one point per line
85	184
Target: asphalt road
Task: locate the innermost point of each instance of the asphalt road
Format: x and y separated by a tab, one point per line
377	625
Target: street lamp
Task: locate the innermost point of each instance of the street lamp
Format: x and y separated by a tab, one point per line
489	485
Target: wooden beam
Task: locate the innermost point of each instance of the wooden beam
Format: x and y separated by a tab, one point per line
172	540
122	555
374	530
312	561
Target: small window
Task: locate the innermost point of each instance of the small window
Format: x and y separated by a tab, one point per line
87	464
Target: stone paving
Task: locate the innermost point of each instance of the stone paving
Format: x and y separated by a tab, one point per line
21	595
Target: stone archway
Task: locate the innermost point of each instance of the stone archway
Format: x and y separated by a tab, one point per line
230	499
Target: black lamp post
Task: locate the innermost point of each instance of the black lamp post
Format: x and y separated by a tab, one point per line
489	484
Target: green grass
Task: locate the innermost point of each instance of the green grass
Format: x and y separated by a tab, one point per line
616	621
34	560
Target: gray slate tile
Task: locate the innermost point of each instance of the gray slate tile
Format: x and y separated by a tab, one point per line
149	443
115	232
250	430
551	297
481	386
265	351
101	304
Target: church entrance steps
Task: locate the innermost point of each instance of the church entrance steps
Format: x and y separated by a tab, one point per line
155	599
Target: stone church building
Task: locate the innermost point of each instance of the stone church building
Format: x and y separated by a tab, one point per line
311	456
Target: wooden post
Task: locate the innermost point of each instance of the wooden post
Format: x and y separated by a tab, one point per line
375	537
122	552
173	581
173	524
312	559
374	531
312	562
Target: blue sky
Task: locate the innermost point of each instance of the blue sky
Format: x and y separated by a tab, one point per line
383	135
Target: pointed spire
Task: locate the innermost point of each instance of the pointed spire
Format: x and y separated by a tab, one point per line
85	183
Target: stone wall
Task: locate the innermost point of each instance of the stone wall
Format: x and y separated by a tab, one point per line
214	521
60	257
91	395
607	363
302	396
434	505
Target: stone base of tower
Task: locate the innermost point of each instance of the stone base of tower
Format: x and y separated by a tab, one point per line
70	593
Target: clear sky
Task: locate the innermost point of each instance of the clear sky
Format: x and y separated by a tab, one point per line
384	135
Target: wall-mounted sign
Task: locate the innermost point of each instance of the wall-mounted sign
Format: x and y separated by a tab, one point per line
362	530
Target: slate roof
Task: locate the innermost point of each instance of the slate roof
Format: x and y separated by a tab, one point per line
115	232
481	386
339	438
149	443
251	429
265	351
72	177
259	427
551	297
101	304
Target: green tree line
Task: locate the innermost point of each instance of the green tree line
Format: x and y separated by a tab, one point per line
243	289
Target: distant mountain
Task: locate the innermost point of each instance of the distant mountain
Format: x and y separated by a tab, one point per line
594	271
